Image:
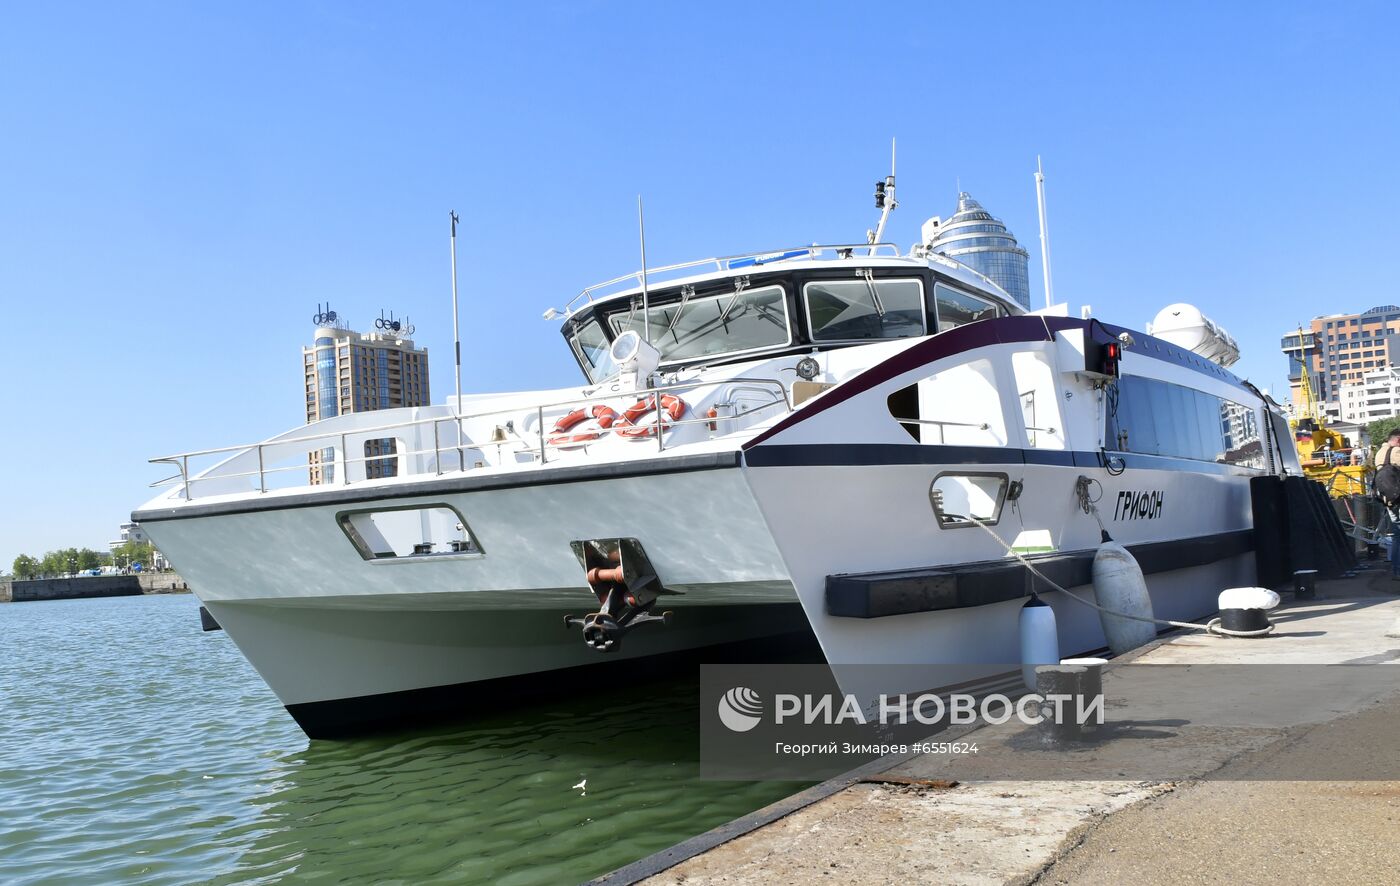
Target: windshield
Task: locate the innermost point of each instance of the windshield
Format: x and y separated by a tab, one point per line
728	323
843	310
592	348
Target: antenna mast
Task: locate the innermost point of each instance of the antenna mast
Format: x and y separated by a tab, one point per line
456	333
1044	232
885	202
646	301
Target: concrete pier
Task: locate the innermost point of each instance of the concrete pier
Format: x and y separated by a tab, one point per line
1249	802
92	586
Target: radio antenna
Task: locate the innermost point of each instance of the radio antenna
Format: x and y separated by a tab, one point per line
646	313
885	202
457	347
456	332
1044	232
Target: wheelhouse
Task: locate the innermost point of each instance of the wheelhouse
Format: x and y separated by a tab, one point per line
798	307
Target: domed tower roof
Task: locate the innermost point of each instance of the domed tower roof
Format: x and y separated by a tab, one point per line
976	238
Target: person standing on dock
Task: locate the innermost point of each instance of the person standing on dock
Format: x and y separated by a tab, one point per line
1388	489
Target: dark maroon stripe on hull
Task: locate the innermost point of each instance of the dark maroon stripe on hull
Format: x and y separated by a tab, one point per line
1006	330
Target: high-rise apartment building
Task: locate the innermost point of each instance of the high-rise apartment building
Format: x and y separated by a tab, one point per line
975	238
1376	396
347	371
1340	349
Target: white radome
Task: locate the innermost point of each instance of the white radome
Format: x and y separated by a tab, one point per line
1185	326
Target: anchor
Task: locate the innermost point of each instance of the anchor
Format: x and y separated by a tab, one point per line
621	576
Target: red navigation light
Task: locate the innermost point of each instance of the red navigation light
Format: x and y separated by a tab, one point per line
1112	352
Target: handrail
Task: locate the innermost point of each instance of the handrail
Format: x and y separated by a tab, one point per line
729	262
181	460
346	460
597	394
981	426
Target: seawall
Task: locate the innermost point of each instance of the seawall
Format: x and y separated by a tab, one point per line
91	586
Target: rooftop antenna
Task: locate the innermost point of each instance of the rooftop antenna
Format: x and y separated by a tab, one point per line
457	346
646	301
1044	232
885	202
456	331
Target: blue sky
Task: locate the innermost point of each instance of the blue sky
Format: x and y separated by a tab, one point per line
181	183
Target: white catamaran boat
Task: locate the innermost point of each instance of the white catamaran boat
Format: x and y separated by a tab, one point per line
767	445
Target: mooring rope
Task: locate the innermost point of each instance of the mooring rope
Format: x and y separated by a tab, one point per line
1052	583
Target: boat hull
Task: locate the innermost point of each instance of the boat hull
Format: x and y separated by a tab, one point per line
343	670
347	642
346	652
885	523
749	537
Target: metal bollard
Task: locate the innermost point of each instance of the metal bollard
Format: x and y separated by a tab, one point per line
1305	584
1067	681
1092	683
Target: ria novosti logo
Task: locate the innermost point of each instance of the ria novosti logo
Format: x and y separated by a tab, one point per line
740	709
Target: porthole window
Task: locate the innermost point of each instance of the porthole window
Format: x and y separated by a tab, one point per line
960	498
412	532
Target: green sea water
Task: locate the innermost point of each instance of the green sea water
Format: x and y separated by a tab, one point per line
136	749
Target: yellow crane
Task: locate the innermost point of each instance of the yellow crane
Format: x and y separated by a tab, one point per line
1327	456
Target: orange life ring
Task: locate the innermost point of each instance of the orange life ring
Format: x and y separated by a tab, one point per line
604	415
628	426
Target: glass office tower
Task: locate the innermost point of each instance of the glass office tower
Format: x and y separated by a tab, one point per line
975	238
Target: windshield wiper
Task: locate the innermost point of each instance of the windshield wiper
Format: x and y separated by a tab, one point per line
740	284
686	293
869	276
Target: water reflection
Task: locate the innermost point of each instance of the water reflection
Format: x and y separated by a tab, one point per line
136	749
498	801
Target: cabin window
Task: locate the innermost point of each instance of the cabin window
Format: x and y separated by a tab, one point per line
592	349
409	533
1244	443
729	323
958	406
958	308
1159	418
861	309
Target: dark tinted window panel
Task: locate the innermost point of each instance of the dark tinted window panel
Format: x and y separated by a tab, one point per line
1158	418
958	308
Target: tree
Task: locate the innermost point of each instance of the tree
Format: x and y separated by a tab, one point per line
1382	428
60	562
133	552
25	566
88	559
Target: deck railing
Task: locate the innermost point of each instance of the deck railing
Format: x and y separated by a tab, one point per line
535	443
659	276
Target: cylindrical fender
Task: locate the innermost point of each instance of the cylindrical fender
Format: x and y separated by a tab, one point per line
1119	586
1040	640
